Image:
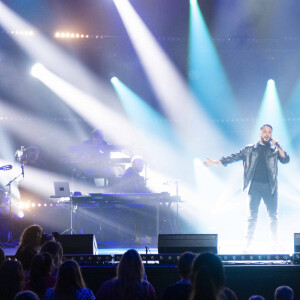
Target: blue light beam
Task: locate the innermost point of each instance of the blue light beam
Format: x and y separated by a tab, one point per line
207	77
271	113
143	115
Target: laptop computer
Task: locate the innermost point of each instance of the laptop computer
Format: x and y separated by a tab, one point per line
61	189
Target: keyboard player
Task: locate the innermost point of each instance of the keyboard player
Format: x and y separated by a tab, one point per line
92	160
144	215
132	181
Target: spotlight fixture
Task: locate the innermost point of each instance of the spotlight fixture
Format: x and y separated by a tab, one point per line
37	69
114	79
28	33
271	82
69	35
20	214
76	35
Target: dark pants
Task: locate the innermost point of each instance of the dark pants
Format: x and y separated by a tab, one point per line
257	192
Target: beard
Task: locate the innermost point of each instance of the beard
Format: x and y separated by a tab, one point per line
266	142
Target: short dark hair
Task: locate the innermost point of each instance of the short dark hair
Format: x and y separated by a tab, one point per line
11	279
185	263
266	125
27	295
55	249
284	293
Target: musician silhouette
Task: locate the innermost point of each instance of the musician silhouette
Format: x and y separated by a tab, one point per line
132	181
143	214
97	143
95	158
30	156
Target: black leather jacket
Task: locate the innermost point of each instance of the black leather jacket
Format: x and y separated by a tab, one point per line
249	155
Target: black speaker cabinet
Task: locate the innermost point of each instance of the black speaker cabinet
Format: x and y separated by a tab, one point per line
179	243
79	243
296	242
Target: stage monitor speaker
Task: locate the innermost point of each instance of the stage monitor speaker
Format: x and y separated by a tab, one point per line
296	242
179	243
79	243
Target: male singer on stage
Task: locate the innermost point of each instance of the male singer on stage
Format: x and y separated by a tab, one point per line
260	163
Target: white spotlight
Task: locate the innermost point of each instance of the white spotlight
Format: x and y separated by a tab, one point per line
20	214
37	69
271	82
114	79
21	205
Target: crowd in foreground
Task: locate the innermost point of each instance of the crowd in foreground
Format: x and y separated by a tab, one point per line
38	272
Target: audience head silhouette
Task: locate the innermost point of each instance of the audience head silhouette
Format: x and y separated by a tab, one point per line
31	237
130	267
41	269
56	250
41	265
256	297
27	295
130	282
68	280
284	293
185	263
11	279
2	256
207	277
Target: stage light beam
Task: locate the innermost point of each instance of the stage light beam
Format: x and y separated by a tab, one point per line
206	73
162	75
271	113
142	114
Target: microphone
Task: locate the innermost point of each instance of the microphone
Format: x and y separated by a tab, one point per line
22	167
276	144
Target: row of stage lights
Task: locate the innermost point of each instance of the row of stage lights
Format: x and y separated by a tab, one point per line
58	35
27	205
172	259
22	32
71	35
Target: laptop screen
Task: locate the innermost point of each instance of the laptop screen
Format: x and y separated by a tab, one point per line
61	189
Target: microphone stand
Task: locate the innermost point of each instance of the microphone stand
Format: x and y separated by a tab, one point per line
10	243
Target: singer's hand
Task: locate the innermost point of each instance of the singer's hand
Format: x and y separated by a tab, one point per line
209	162
281	152
275	143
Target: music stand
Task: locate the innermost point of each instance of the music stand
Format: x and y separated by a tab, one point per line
62	190
70	229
